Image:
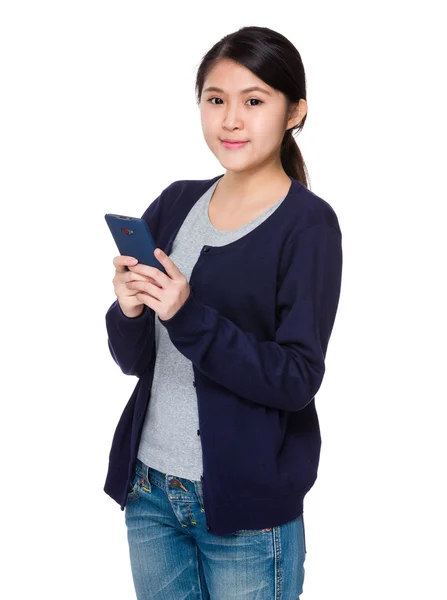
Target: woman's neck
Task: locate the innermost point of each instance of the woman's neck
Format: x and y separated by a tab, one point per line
242	189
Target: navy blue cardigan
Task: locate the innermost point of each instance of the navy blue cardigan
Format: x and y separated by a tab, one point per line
256	327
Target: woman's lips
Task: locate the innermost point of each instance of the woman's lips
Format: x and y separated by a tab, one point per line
234	145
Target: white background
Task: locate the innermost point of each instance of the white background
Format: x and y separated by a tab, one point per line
98	115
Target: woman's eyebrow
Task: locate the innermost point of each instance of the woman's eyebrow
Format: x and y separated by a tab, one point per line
253	88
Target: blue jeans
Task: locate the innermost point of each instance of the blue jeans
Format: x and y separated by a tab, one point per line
173	556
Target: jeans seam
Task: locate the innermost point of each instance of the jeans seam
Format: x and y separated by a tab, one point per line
277	552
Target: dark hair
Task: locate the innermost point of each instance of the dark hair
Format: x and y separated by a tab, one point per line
275	60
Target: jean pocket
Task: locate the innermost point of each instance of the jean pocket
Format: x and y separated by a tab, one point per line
133	493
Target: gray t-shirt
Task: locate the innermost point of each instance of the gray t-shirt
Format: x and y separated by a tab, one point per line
169	441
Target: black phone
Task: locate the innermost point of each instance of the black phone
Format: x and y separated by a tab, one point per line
133	238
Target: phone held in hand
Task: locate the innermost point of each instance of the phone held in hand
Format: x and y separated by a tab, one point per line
133	238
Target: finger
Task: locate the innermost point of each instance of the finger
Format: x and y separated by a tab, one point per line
121	263
170	267
130	276
147	287
148	271
133	276
148	301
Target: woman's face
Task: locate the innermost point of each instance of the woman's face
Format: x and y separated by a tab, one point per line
258	117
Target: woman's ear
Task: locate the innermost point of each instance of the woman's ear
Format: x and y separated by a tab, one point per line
297	113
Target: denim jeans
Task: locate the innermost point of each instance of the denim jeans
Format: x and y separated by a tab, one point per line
173	556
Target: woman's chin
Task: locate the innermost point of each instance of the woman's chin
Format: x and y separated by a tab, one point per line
234	165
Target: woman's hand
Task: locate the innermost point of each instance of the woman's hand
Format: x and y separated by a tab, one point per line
127	298
165	294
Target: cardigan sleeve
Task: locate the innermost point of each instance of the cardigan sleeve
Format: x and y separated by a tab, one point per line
131	340
286	372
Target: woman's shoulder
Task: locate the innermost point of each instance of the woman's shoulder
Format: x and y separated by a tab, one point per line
309	209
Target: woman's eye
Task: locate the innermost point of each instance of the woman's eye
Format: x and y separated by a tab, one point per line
250	100
256	100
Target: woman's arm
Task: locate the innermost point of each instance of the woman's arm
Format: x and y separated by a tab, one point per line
131	340
284	373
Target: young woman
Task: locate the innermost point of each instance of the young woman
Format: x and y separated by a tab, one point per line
220	442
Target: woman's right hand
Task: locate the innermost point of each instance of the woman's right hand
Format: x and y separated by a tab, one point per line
128	302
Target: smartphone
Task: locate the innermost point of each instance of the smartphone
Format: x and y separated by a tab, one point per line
133	238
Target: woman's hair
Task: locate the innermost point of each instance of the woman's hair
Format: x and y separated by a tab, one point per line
275	60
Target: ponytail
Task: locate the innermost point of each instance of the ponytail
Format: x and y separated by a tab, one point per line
292	160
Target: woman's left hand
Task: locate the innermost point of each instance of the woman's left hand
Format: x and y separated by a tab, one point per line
170	293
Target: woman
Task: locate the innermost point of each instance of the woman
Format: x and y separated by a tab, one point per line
229	346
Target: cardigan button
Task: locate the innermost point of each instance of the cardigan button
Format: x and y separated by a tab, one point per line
208	527
194	383
205	248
